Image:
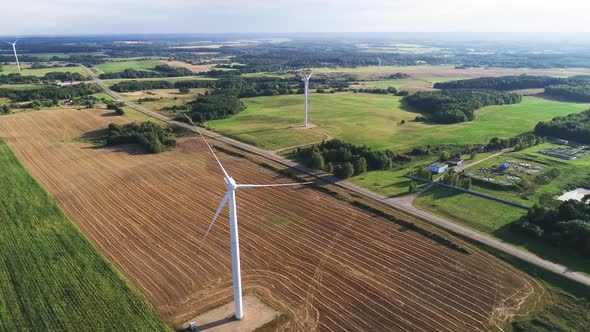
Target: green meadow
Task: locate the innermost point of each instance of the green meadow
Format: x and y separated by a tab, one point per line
375	121
27	71
117	66
51	277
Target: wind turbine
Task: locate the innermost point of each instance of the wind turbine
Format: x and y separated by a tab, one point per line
306	83
379	67
230	195
15	56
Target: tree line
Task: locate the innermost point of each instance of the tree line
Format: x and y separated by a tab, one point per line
158	71
516	142
504	83
50	92
47	78
153	137
575	127
212	106
346	159
576	88
565	226
579	93
453	106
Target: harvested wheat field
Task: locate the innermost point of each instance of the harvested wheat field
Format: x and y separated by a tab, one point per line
189	66
324	263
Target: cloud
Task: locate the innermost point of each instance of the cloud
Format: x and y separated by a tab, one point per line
222	16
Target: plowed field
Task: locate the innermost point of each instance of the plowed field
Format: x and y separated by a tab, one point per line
326	264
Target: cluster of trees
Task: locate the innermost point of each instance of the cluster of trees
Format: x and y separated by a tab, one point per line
565	226
132	86
117	107
153	137
222	73
158	71
398	76
575	127
457	180
517	142
47	78
379	91
580	93
452	106
243	87
346	159
50	92
213	106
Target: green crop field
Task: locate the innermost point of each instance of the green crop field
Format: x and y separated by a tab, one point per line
117	66
374	120
51	276
27	71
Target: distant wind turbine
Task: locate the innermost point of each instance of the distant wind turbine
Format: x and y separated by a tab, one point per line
306	84
15	56
379	67
230	195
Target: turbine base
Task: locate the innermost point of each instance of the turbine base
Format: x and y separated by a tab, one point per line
221	319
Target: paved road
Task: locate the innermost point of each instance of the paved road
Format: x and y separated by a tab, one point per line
403	205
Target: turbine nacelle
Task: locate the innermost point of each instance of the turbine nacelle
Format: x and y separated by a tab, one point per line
230	183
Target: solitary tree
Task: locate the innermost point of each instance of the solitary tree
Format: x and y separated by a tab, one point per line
413	187
444	156
466	183
473	155
317	161
344	170
329	168
424	173
360	166
184	90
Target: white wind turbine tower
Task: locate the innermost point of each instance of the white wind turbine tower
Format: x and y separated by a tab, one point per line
306	84
15	56
379	67
230	195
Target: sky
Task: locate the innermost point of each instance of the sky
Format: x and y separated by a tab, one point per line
46	17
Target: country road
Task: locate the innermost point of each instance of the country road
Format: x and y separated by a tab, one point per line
403	205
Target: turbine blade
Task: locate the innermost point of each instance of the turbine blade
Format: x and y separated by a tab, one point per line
246	186
210	149
221	205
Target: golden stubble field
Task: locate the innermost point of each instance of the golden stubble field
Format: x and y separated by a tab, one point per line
324	263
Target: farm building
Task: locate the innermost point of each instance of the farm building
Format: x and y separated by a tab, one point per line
438	168
455	162
504	167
